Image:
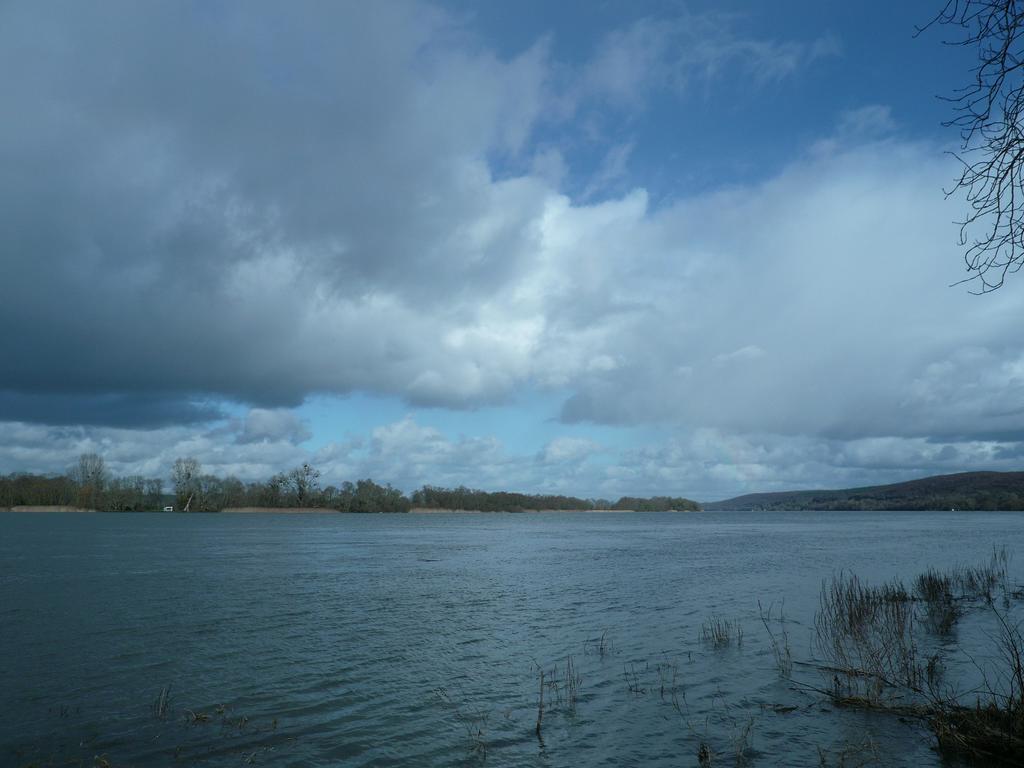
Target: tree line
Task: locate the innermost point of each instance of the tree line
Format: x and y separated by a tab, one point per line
87	485
983	501
431	497
195	491
90	485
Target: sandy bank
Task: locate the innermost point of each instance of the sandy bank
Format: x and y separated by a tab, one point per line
43	508
433	511
283	510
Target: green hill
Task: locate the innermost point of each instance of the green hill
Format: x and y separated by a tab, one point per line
963	491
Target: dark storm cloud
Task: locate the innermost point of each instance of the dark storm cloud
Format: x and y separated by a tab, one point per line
116	410
191	191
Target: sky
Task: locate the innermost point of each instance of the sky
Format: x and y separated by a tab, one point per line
595	248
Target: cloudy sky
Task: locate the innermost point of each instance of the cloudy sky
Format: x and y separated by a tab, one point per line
597	248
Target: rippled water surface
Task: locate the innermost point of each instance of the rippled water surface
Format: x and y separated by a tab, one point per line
312	640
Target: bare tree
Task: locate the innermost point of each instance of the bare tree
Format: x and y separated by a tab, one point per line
91	477
304	484
91	471
989	112
185	476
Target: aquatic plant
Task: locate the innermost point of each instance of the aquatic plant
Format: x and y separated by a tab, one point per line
981	581
719	633
992	731
704	755
474	721
161	706
540	706
935	589
633	684
668	674
779	643
572	682
866	633
851	755
601	646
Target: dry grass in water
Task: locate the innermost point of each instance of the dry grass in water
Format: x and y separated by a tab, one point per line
720	633
992	731
669	688
162	705
600	646
850	755
779	642
867	634
632	677
935	590
474	721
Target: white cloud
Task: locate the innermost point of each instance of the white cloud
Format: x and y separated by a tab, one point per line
568	450
749	352
704	464
263	425
360	217
653	54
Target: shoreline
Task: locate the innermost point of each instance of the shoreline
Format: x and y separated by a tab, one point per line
41	509
276	510
37	508
446	511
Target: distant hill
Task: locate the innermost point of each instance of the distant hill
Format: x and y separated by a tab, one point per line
963	491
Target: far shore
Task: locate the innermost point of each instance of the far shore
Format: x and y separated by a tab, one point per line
435	510
47	508
326	511
282	510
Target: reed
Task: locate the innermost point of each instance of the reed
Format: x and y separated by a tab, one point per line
779	643
473	721
992	731
935	590
867	634
851	755
981	581
633	684
720	633
601	646
572	682
670	689
540	706
161	707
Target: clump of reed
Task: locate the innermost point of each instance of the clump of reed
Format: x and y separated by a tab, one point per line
669	688
981	581
563	684
572	681
742	742
935	590
720	633
868	636
161	706
992	731
739	742
780	642
850	755
474	721
866	633
705	756
562	687
633	684
600	646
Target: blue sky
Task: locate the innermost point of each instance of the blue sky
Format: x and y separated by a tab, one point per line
599	248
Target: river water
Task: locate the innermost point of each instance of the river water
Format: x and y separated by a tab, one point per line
323	640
